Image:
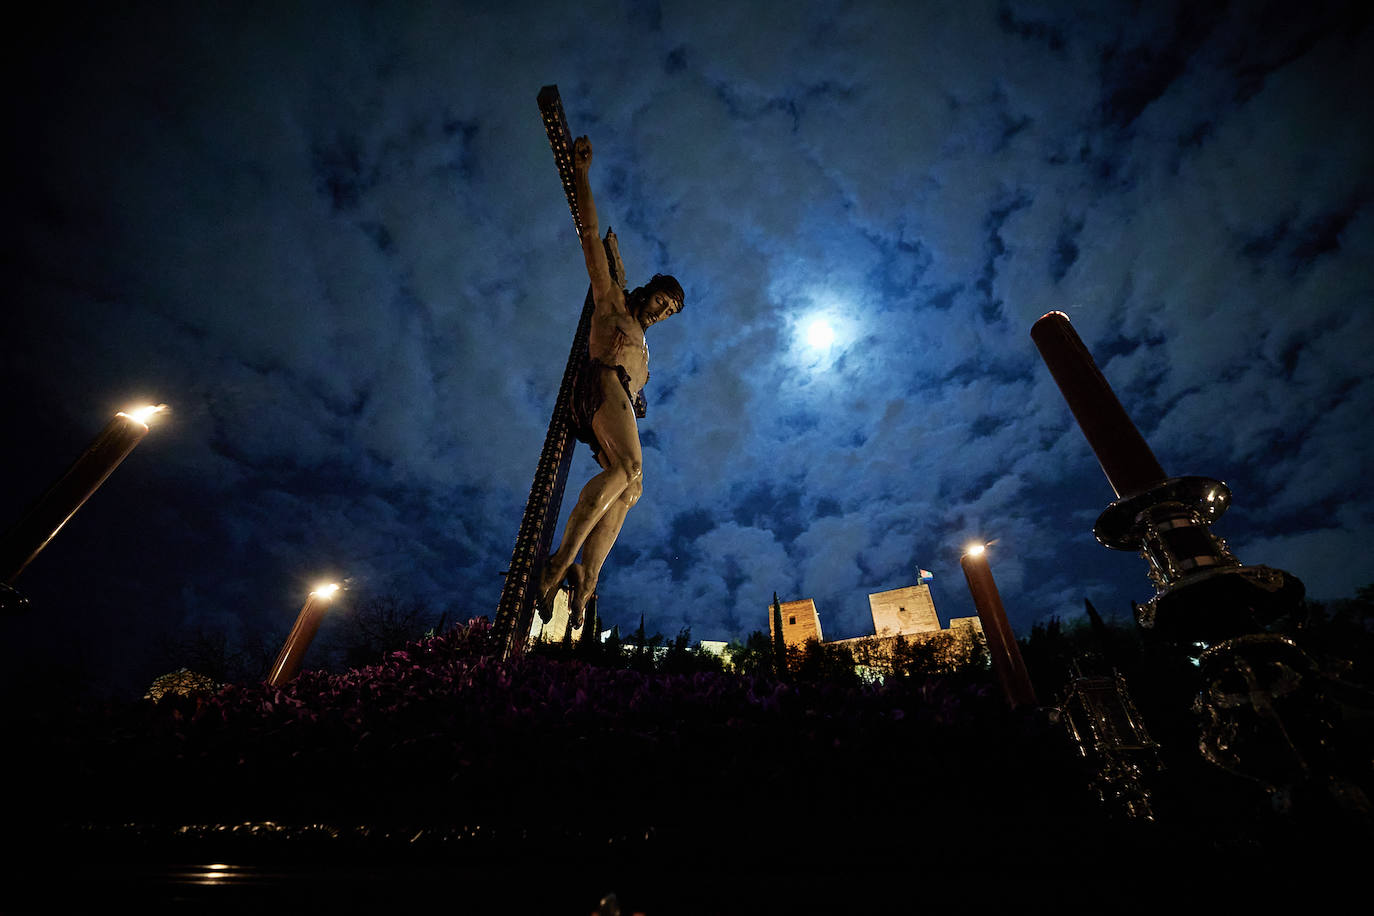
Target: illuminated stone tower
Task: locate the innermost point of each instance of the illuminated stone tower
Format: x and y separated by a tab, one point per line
800	622
907	612
903	611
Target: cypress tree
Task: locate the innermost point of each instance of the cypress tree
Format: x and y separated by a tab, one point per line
591	629
566	643
779	644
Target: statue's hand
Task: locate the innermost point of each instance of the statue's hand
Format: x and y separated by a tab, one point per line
582	153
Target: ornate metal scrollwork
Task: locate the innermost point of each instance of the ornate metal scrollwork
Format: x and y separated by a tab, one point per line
1105	725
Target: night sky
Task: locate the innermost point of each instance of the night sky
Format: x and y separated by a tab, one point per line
332	239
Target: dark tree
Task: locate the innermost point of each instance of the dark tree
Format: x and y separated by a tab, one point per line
590	643
381	625
819	662
779	644
213	654
753	657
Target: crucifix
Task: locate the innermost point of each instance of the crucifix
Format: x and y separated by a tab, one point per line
600	397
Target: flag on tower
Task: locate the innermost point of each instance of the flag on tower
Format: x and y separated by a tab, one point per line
923	576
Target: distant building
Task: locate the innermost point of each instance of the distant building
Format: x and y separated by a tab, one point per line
903	611
906	613
800	622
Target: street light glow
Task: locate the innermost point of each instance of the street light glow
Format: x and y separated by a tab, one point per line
326	591
143	414
975	550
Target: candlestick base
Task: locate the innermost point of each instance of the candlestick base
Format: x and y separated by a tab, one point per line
1219	604
1268	712
1202	592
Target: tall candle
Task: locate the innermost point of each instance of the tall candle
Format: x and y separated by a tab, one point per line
1007	663
1125	456
308	621
47	516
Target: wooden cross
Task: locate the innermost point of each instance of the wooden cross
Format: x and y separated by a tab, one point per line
515	612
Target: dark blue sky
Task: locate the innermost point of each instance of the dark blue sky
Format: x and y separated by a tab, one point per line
331	237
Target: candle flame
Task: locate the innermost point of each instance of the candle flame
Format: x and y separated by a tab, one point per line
143	414
326	591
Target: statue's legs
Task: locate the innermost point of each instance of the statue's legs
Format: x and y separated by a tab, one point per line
619	484
597	546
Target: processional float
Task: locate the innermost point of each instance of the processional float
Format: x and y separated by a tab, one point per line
1265	708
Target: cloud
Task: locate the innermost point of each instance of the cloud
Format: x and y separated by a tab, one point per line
1320	558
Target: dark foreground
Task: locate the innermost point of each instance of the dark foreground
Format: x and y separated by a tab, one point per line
539	786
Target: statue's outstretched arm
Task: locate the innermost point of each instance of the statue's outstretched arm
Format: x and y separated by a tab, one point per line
592	249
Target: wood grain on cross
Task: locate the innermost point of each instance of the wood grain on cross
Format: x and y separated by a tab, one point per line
515	612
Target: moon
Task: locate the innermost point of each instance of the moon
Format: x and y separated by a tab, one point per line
819	334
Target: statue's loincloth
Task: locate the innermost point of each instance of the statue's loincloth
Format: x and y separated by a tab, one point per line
588	397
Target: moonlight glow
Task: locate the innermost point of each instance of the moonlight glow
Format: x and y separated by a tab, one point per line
819	334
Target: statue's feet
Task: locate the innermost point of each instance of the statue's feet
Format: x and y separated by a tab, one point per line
543	608
547	591
582	592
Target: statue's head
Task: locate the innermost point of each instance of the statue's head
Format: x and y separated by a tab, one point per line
660	297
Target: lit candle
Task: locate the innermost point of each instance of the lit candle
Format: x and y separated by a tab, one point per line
47	516
288	662
1007	663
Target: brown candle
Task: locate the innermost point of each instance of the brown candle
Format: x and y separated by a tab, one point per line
1007	663
47	516
308	621
1125	456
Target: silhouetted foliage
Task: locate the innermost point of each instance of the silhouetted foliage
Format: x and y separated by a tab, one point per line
1048	654
643	655
817	662
1339	633
685	657
754	657
370	629
959	654
213	654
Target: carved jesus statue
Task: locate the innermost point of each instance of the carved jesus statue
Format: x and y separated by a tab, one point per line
606	402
